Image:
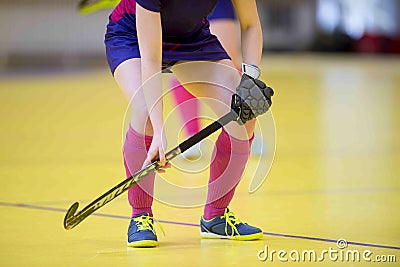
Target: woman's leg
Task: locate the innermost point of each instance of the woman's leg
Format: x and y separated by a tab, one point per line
215	83
188	107
138	137
128	77
227	31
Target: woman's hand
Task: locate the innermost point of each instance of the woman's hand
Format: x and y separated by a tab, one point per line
156	152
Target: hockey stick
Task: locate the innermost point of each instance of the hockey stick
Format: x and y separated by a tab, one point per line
73	218
86	7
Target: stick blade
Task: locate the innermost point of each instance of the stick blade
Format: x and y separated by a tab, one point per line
70	214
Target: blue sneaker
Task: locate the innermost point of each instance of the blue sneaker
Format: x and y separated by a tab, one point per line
228	226
141	232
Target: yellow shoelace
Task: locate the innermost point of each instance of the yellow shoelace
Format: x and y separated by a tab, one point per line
145	222
232	220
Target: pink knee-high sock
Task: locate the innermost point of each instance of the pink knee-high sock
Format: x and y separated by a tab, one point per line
230	157
188	107
135	152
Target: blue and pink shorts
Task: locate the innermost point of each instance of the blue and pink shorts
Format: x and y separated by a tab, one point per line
122	44
223	10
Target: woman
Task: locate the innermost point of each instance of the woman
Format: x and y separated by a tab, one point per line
170	33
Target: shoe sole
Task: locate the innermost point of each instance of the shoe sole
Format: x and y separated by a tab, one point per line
255	236
143	244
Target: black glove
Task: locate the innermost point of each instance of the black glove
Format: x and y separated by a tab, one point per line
252	99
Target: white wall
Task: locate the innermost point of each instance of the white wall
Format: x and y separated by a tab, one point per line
288	24
51	28
54	28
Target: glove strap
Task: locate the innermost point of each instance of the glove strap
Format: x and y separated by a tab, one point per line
251	70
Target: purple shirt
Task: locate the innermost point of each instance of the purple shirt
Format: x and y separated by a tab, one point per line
179	18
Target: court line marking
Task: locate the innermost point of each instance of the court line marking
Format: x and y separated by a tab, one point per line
35	207
337	191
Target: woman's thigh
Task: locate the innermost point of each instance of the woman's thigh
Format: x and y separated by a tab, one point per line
128	77
214	83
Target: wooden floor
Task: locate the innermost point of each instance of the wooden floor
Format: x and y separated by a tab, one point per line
335	174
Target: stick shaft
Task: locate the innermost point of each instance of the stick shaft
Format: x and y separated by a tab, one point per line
71	219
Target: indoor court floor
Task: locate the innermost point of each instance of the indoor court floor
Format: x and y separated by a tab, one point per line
335	172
